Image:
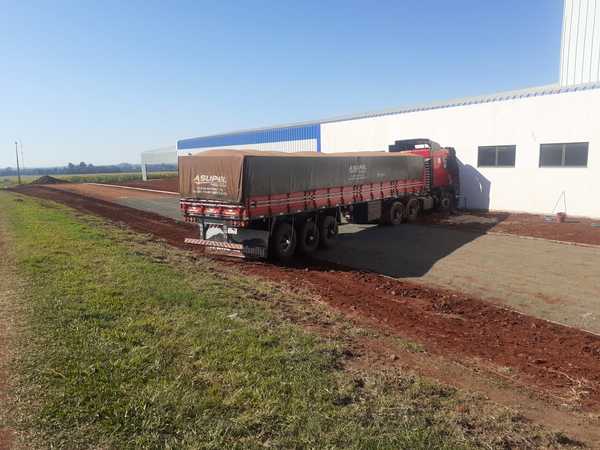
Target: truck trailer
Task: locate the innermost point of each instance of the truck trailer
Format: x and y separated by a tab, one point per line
255	204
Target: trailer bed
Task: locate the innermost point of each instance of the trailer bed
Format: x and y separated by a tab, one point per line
246	185
296	202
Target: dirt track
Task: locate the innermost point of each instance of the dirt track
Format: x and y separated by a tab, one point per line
575	229
540	278
543	279
166	205
559	361
579	230
160	184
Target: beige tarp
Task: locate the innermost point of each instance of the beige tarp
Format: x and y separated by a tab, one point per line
232	175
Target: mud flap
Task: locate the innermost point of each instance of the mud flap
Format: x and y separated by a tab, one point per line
222	239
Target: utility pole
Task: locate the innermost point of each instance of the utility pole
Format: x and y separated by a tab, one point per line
18	168
22	157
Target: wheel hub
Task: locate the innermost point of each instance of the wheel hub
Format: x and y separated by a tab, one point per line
285	242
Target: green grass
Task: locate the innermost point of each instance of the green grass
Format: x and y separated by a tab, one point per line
123	351
131	344
118	177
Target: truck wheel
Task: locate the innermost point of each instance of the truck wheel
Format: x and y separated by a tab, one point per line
413	208
328	231
395	214
284	242
308	237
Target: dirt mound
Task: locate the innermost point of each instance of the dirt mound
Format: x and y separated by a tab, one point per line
46	179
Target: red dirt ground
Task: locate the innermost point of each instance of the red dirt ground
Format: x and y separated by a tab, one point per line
160	184
561	362
578	230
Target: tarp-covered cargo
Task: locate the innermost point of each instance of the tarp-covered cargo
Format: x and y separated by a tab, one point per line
236	175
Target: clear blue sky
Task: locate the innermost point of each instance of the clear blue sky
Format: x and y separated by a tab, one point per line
100	81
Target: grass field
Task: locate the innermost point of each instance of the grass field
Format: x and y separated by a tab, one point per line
88	178
130	344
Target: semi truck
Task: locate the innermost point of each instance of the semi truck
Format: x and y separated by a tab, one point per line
254	204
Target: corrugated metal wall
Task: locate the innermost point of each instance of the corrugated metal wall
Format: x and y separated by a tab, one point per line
300	138
580	50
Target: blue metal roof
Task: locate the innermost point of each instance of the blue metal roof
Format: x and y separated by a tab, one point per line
278	134
291	131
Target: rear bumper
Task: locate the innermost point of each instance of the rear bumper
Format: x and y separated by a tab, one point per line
220	237
229	248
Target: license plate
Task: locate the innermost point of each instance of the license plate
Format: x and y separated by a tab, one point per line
231	230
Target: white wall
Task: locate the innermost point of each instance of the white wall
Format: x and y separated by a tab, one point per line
526	123
580	49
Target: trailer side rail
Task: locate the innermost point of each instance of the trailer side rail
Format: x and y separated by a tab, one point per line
296	202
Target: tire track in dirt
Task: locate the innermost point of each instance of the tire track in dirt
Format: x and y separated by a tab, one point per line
556	360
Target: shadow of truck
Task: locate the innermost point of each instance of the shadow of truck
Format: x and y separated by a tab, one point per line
404	251
409	250
474	188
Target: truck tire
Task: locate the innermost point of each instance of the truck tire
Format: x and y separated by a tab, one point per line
328	231
308	237
413	208
394	215
283	242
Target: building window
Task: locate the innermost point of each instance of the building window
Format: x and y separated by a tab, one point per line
564	155
496	156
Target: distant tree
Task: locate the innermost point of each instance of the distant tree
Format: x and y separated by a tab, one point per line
82	167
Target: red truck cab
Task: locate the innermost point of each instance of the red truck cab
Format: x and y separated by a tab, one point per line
442	167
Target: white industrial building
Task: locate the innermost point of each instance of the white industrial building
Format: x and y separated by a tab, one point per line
519	150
